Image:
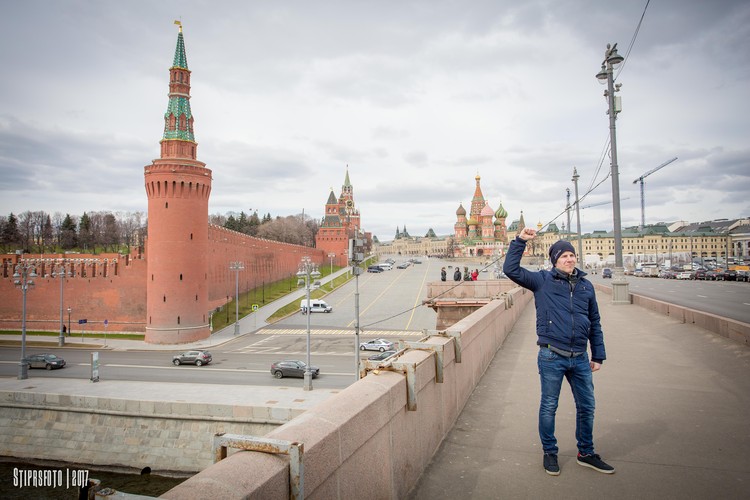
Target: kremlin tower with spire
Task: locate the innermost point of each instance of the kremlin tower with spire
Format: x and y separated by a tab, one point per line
178	187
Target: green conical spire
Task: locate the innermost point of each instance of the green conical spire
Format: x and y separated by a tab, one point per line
346	180
178	119
180	59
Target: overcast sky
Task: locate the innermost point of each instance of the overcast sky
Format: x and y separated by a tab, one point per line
416	97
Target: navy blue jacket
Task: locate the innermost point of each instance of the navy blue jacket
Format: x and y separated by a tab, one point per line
567	314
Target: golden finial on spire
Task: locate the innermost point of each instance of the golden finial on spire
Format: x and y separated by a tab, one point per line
178	23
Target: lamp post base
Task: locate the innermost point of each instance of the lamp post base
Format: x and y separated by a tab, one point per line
23	371
308	381
620	292
237	328
61	341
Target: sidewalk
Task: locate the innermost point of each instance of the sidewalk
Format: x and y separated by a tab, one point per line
672	408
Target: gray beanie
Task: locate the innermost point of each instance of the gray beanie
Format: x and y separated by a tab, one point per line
558	248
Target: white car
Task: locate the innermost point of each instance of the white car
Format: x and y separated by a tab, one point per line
377	345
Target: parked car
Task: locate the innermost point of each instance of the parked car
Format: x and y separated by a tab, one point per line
197	358
743	276
711	275
381	356
403	265
374	269
46	361
699	274
292	368
684	275
606	272
729	275
377	345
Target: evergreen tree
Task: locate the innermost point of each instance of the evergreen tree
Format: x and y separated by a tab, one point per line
68	236
10	237
253	224
48	235
231	223
84	232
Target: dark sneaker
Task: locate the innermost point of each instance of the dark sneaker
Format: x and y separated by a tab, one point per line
595	462
550	464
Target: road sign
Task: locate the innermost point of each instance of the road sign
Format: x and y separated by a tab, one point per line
82	321
106	322
255	307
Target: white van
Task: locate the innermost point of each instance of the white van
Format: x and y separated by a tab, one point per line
385	266
316	305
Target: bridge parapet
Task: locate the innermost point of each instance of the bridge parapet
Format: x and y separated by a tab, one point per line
455	300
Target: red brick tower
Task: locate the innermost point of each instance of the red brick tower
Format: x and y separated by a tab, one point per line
341	222
178	187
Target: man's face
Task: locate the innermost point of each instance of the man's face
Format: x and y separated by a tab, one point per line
566	262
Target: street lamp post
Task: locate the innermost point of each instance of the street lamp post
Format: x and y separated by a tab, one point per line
60	270
567	210
578	216
611	61
307	270
331	256
236	267
69	311
23	278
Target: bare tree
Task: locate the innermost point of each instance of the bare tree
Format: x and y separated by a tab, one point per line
290	229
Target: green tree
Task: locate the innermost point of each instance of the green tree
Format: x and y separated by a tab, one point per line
68	235
10	237
48	235
84	232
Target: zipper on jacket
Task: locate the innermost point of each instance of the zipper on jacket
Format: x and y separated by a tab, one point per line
572	316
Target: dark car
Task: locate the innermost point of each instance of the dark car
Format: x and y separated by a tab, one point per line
197	358
711	275
743	276
729	275
46	361
292	368
381	356
699	274
374	269
606	272
403	265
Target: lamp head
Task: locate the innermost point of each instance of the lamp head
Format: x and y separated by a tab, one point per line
613	57
602	75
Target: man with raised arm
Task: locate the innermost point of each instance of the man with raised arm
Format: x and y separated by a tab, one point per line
567	322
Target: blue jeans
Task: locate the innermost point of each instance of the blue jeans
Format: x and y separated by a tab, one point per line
552	368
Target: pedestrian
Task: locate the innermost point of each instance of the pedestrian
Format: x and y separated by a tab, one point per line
457	274
467	274
475	275
567	323
442	274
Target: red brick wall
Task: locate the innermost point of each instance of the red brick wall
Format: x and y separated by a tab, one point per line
120	297
116	293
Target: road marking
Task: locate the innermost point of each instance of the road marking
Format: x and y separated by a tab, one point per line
702	296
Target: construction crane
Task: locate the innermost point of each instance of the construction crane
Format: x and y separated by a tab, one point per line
643	200
601	203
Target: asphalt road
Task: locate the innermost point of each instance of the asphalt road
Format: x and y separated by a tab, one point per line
729	299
